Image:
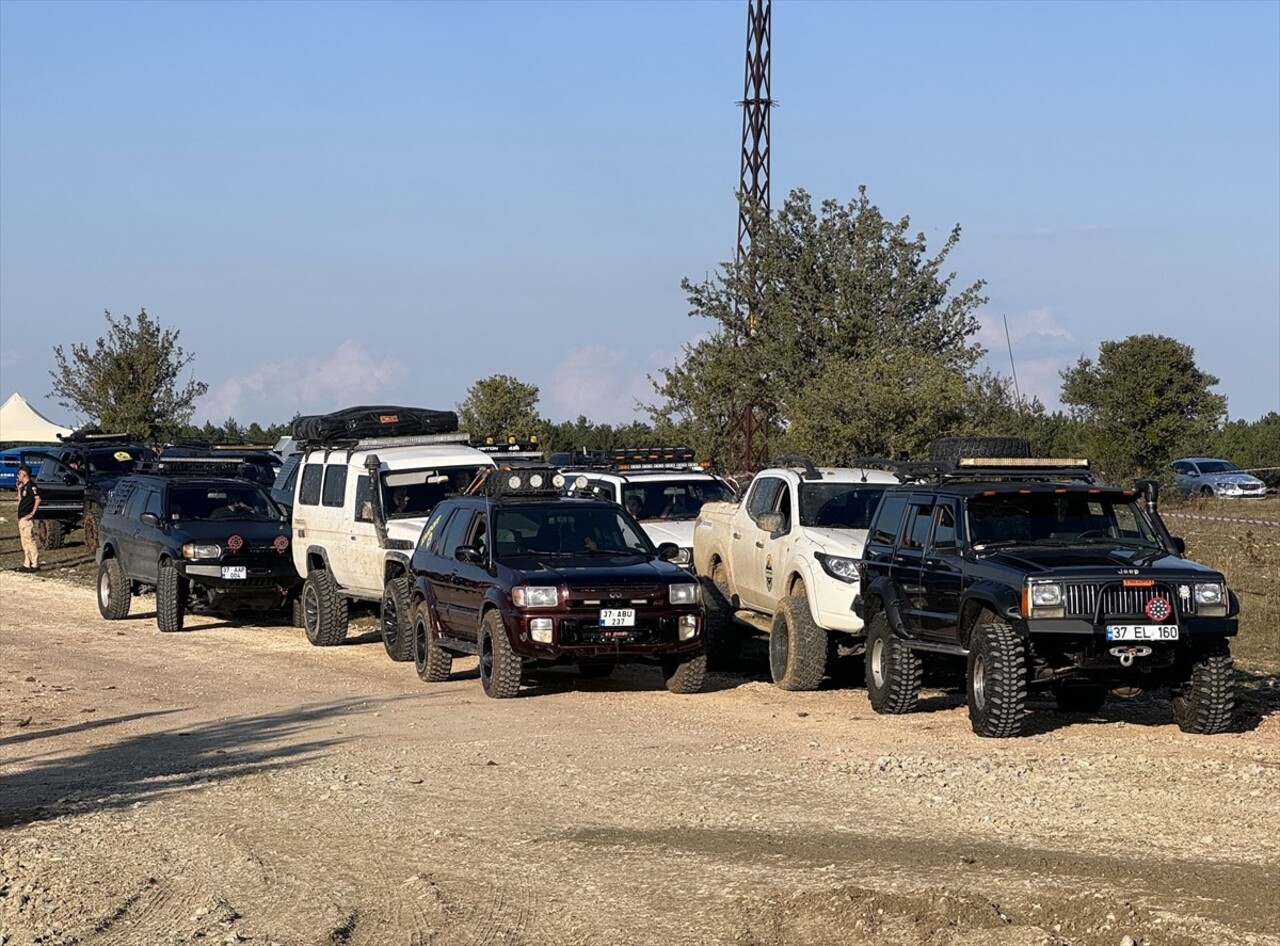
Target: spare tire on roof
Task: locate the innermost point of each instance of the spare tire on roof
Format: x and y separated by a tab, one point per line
374	421
951	449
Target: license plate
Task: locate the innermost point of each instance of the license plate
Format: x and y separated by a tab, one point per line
618	617
233	571
1142	632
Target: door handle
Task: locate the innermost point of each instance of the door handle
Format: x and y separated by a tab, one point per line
759	545
737	535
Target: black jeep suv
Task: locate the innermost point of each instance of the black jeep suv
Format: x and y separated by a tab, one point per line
1038	577
197	537
74	481
523	578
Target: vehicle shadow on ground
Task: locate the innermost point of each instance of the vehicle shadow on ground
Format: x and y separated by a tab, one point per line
85	726
148	766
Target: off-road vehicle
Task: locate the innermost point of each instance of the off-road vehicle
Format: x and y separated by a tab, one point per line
198	537
75	479
523	577
1036	576
360	502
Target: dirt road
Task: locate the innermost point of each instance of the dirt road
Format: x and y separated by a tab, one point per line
233	784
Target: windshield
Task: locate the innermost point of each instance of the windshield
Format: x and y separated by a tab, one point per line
568	530
839	505
1217	466
245	503
1055	519
114	460
408	494
672	499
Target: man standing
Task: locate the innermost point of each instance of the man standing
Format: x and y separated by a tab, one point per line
28	503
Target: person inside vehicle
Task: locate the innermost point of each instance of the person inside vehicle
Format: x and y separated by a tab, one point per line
634	506
400	501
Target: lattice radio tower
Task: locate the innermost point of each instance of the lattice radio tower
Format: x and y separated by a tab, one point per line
754	179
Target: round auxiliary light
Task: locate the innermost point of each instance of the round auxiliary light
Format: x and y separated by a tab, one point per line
280	543
557	481
235	543
580	483
535	480
514	482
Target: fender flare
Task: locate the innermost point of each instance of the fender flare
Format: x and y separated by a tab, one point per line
883	595
317	550
996	598
799	567
392	559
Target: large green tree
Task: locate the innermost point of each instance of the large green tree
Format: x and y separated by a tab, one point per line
1143	403
826	299
130	380
500	405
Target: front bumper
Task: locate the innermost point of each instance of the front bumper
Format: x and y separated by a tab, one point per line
259	576
577	633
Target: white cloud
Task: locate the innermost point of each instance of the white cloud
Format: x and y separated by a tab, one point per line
351	375
11	358
603	383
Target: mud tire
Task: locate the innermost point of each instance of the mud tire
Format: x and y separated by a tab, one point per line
722	639
171	598
395	620
49	534
115	593
893	670
950	449
500	667
324	610
1204	702
685	673
797	646
996	683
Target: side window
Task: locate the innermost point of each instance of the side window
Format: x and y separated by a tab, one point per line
120	499
335	484
453	536
944	527
888	519
432	529
478	534
137	503
154	503
763	497
364	499
309	493
919	518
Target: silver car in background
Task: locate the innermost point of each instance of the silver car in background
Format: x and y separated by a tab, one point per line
1206	476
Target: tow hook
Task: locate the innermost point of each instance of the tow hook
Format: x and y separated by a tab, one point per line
1127	654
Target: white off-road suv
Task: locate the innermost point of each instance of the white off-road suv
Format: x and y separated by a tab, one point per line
784	561
663	489
358	509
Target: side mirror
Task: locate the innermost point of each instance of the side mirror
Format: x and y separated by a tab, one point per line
1179	545
667	551
1192	473
471	554
772	522
150	519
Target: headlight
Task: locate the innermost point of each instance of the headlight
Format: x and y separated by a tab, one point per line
1046	596
683	594
197	550
839	567
1210	594
535	596
683	557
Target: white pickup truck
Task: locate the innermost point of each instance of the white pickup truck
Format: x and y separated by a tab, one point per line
784	561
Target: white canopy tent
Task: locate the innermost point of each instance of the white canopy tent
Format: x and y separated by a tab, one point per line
20	423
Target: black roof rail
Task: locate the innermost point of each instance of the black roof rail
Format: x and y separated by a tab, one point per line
793	460
221	467
998	469
94	435
676	459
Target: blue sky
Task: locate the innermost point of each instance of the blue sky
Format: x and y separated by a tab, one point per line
345	203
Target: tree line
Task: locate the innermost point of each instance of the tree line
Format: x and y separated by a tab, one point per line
841	331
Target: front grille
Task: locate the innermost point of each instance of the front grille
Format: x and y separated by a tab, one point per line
613	596
646	631
1119	601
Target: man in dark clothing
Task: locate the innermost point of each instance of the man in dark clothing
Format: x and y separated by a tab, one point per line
28	503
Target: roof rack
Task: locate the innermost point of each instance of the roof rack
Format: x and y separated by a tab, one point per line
542	481
362	443
94	435
677	459
998	469
224	467
514	452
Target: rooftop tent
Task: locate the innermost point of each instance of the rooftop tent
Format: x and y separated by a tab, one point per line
22	423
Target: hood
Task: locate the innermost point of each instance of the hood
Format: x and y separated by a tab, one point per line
844	542
406	530
594	570
252	531
1238	479
1093	560
679	531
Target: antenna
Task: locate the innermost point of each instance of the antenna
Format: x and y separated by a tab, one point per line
1016	393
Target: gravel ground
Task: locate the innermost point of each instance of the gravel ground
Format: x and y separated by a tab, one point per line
233	784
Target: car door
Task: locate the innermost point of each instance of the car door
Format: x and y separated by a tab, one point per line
444	575
882	537
470	579
771	550
131	557
747	539
908	560
941	575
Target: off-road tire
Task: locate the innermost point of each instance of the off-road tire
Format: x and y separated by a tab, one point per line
92	526
1079	697
596	669
395	620
433	663
324	609
996	683
950	449
500	667
797	646
114	592
295	611
722	639
171	598
1204	701
685	673
49	534
893	670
